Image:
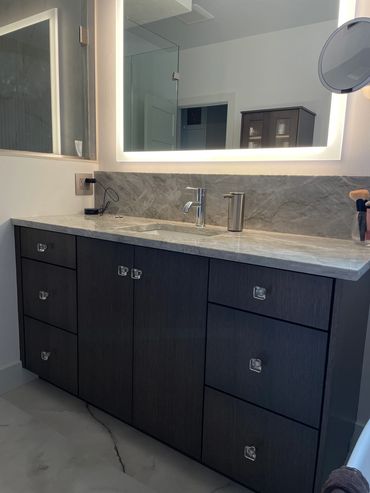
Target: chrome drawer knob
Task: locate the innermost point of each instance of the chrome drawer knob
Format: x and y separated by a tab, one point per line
259	293
45	355
123	271
43	295
250	453
41	247
255	365
136	274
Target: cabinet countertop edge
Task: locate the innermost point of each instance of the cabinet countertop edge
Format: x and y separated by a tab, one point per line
326	257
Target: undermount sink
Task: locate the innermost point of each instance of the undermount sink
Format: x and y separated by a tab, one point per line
174	229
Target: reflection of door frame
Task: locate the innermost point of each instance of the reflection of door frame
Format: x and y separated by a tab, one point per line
152	100
213	100
51	16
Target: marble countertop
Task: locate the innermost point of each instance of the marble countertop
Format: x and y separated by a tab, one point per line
341	259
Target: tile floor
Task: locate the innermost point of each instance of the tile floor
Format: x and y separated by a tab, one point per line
49	443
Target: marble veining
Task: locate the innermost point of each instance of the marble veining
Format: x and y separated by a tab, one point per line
342	259
308	205
49	443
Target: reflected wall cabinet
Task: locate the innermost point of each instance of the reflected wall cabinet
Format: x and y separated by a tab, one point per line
286	127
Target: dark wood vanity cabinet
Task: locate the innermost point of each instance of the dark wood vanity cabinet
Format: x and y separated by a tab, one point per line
253	371
169	347
105	325
285	127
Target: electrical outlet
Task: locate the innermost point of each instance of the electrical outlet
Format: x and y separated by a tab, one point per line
83	188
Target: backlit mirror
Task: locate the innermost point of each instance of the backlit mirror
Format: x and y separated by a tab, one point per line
344	64
45	87
225	74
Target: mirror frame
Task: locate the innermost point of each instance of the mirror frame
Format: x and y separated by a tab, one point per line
332	152
51	16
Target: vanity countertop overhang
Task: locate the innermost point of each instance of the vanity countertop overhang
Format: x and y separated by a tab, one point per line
341	259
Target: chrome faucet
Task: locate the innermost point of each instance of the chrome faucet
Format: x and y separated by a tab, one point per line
200	206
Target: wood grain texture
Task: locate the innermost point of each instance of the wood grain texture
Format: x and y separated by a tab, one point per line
105	321
169	347
61	248
61	367
293	362
18	260
343	381
286	451
291	296
60	308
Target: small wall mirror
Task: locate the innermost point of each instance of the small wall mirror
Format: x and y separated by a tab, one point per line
46	91
222	75
344	64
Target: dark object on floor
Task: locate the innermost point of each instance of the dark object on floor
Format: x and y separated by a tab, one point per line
346	480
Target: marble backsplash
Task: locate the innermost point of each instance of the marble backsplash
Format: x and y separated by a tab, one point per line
309	205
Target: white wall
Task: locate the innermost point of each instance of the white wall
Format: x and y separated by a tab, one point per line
267	71
29	187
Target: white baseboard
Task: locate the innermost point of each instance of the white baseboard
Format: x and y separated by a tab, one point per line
14	376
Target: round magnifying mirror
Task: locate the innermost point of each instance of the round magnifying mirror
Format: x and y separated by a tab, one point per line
344	64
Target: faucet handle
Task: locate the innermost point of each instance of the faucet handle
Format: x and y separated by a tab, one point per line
199	190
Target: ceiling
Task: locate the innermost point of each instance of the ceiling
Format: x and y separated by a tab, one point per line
235	19
144	11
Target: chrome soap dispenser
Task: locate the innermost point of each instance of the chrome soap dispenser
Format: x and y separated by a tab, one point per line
235	222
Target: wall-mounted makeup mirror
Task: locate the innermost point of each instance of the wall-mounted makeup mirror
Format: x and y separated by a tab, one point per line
46	91
344	64
228	77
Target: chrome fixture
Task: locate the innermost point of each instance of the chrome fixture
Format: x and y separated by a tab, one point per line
259	293
255	365
43	295
45	355
200	206
123	271
41	247
235	222
250	453
136	274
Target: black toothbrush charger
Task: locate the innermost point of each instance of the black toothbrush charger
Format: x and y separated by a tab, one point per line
108	192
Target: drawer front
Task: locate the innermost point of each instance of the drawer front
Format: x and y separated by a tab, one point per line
265	452
49	294
277	365
45	246
299	298
52	354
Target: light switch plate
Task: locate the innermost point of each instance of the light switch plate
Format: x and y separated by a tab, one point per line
83	188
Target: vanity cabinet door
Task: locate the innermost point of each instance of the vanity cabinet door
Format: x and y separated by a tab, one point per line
169	347
105	316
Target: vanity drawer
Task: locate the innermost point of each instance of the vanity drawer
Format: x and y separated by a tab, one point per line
45	246
264	451
52	354
277	365
49	294
301	298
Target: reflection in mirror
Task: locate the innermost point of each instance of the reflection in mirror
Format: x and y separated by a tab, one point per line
344	64
29	88
45	87
226	74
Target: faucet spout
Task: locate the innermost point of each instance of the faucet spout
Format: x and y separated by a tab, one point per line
189	205
199	204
